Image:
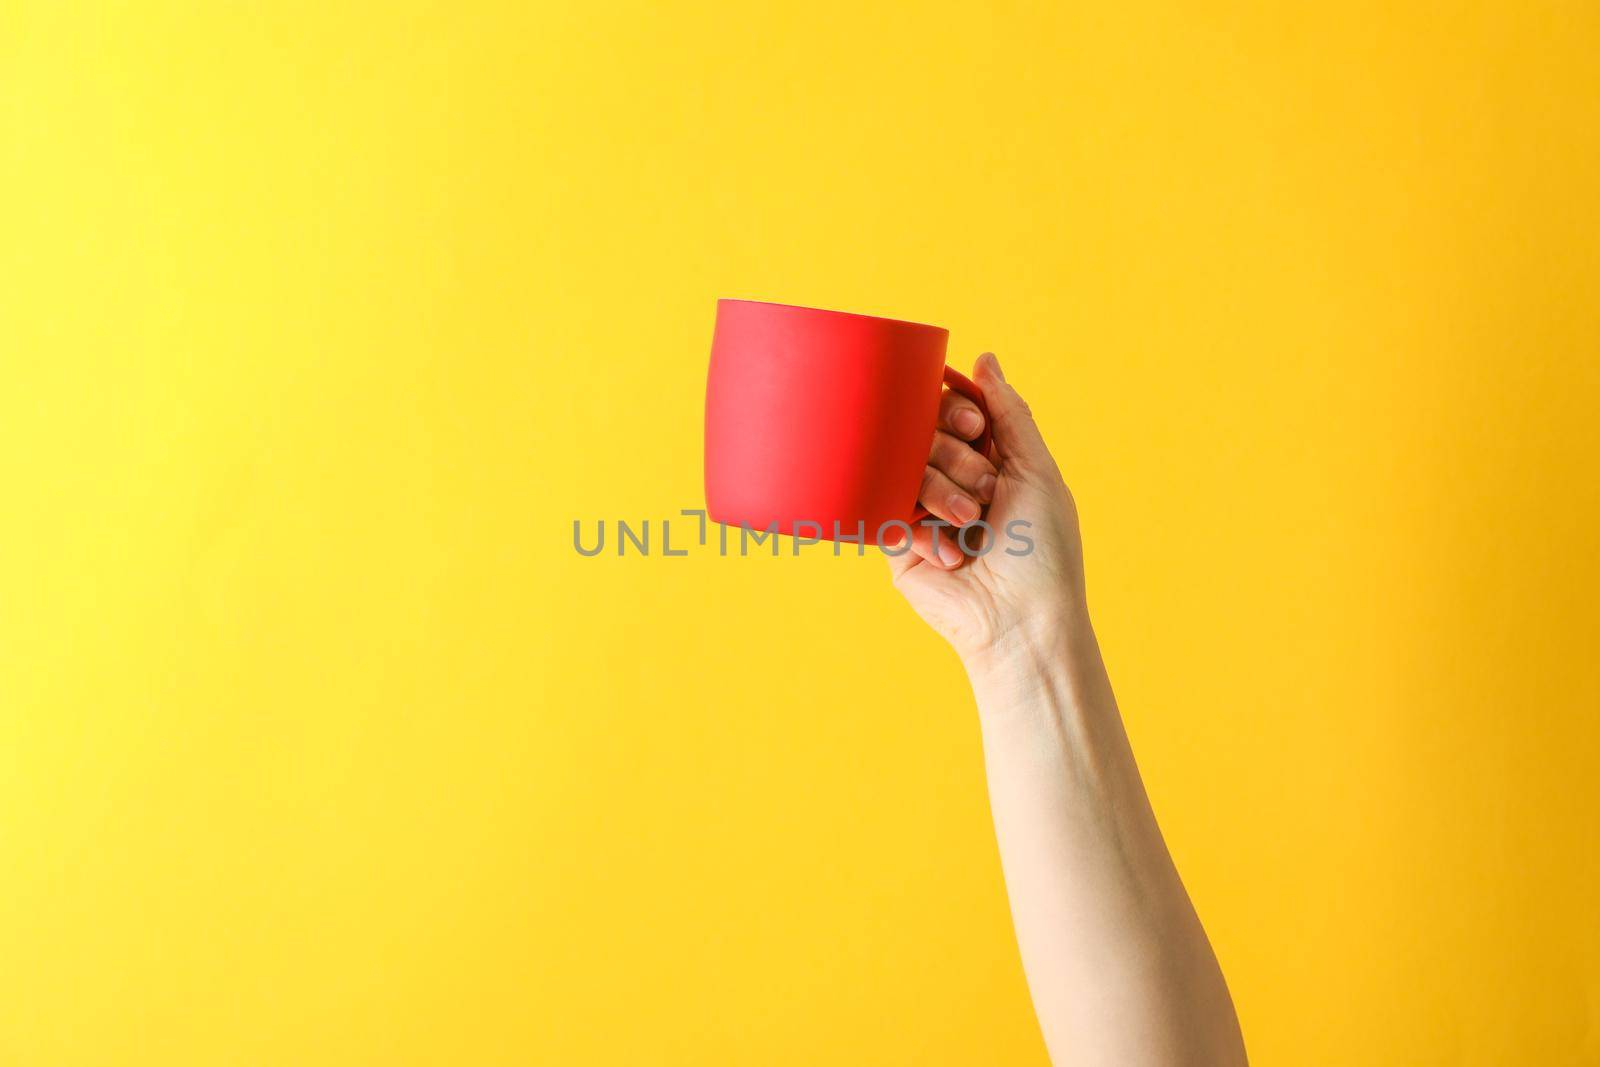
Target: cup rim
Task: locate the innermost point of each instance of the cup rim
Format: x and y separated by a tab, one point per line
831	311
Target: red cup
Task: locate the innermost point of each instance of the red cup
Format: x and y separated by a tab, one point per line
822	420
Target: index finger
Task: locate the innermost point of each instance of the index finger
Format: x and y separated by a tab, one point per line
959	416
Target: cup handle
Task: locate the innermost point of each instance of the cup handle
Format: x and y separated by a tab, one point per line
966	387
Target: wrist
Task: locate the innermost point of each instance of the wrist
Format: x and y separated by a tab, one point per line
1051	666
1033	639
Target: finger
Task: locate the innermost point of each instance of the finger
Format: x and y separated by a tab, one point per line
946	499
931	546
963	465
913	554
1016	435
938	545
959	416
902	556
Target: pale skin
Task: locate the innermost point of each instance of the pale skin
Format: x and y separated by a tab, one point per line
1118	965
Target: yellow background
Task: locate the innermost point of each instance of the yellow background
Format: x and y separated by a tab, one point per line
320	324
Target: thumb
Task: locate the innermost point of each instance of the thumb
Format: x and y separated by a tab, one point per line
1016	436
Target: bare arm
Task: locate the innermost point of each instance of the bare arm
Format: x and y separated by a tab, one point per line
1117	962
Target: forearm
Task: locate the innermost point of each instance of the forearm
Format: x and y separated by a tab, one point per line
1118	965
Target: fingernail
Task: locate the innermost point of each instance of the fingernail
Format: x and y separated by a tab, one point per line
949	554
986	488
963	508
994	365
969	422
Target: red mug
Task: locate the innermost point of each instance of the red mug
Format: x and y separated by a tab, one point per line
822	420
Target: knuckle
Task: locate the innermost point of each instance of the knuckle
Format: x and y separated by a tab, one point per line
971	467
946	452
1014	415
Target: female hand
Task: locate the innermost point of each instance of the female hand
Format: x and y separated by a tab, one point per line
1118	965
1024	577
